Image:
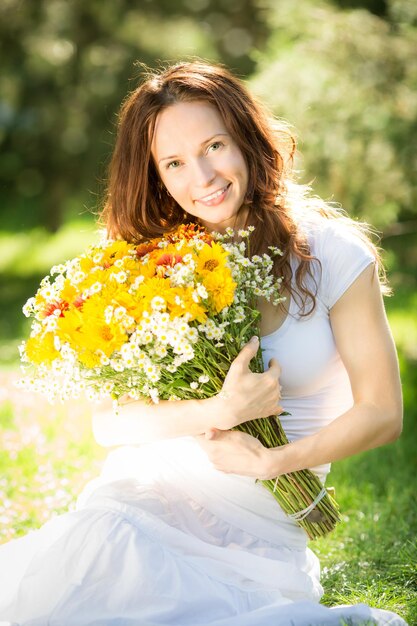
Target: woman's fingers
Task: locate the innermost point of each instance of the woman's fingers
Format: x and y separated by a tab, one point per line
274	367
249	395
235	452
247	353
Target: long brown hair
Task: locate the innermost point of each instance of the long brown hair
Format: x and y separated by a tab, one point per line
138	205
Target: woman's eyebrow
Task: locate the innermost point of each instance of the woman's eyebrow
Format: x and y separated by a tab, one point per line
174	156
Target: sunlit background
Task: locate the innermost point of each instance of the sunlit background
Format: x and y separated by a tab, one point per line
343	73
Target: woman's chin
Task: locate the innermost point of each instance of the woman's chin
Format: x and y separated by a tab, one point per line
220	222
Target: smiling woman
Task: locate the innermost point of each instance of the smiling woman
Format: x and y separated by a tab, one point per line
177	530
208	177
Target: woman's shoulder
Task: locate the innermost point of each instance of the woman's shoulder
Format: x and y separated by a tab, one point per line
340	251
328	237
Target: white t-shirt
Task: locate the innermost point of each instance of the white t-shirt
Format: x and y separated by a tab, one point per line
315	384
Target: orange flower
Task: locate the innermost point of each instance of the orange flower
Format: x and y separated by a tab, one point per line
187	232
145	248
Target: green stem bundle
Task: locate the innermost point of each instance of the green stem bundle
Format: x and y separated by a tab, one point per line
297	490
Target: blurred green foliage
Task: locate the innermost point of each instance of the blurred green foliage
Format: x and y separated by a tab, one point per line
344	72
66	66
347	81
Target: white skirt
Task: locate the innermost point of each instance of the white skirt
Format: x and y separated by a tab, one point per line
163	538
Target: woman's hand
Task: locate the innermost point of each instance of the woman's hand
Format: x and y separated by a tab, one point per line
234	452
248	395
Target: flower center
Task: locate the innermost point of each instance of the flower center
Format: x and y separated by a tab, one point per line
210	265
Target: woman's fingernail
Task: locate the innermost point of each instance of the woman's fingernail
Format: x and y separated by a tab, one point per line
254	339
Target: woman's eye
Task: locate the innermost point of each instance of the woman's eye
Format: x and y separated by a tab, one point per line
173	165
216	145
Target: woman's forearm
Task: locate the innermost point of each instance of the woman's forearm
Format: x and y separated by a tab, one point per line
361	428
138	422
244	396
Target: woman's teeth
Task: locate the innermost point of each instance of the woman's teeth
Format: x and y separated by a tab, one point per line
214	195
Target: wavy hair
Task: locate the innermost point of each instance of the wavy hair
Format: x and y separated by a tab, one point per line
137	205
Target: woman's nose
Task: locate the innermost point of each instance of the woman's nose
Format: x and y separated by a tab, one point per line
204	173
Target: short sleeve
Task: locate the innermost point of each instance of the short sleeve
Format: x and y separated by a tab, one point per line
343	256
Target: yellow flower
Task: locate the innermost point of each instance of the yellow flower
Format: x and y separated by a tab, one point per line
133	305
86	331
41	349
68	291
86	264
101	336
40	301
150	288
211	257
89	359
148	270
68	326
95	333
132	266
221	288
113	251
181	301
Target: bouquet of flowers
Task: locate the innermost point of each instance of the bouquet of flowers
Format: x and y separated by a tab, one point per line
162	319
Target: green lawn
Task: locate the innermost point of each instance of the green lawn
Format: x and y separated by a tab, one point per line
48	453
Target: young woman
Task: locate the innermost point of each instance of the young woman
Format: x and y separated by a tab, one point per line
176	530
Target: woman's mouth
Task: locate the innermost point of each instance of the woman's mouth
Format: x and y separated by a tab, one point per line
215	198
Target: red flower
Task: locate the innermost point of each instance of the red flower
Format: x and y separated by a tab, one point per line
78	302
61	306
169	259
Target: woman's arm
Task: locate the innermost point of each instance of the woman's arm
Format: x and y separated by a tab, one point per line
367	349
244	396
365	344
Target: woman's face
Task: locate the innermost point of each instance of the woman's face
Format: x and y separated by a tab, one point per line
200	164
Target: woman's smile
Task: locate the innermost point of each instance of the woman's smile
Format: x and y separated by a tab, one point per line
200	164
215	198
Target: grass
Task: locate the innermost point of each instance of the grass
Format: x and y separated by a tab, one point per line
48	453
372	556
